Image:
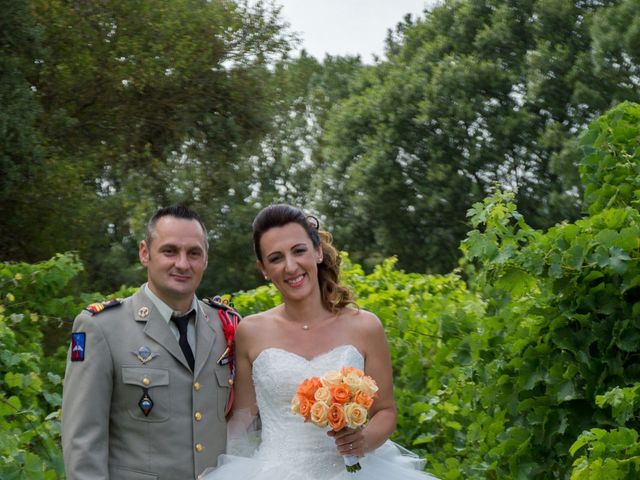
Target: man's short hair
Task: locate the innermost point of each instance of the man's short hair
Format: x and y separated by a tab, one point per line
177	211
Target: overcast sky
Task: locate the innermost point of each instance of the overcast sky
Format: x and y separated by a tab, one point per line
341	27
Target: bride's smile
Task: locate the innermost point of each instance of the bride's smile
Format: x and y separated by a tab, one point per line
290	261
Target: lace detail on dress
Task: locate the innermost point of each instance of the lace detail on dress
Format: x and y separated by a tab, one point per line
276	376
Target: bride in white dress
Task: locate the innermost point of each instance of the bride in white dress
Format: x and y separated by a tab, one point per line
316	329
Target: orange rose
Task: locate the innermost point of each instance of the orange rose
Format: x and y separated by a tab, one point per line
364	399
347	370
355	415
305	407
340	394
308	387
335	417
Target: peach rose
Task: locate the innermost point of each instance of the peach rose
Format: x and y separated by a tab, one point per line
335	417
319	413
308	387
323	394
331	379
347	370
295	404
353	381
369	386
305	407
362	398
340	394
355	415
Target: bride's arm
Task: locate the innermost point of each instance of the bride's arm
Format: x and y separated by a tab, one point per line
245	395
382	423
242	435
378	367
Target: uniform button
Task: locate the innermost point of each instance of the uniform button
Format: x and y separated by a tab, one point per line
199	447
197	416
231	381
196	386
146	381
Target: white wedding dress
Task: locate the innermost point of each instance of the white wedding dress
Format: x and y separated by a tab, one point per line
291	449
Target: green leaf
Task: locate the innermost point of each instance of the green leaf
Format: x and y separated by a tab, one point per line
14	380
566	392
618	259
584	439
517	282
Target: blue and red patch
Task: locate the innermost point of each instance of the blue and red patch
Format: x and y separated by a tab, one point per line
78	341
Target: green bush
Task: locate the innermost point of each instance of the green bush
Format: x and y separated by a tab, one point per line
30	383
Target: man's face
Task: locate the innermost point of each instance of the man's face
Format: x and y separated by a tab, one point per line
175	260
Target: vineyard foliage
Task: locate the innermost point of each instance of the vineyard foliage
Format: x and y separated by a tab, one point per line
523	363
36	299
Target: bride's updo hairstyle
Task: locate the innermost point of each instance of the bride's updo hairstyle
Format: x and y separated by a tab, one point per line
334	296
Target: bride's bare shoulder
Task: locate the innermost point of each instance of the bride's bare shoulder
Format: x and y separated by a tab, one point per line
255	323
361	319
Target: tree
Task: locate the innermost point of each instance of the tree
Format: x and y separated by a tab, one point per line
473	94
306	91
139	104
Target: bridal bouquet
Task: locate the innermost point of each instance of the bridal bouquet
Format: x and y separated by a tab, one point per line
338	399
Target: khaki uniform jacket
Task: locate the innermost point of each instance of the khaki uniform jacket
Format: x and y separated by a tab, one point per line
105	434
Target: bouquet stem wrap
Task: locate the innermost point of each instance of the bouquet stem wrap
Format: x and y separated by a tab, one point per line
352	463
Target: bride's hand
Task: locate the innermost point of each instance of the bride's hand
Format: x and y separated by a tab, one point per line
349	441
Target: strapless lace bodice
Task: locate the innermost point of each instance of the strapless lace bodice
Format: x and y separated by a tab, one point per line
276	376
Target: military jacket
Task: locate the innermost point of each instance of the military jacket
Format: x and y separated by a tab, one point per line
129	352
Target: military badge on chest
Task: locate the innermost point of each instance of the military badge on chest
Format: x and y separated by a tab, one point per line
145	403
145	355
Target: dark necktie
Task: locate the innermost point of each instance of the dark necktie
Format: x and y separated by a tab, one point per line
181	323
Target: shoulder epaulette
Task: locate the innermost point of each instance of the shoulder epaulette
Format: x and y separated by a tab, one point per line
96	308
219	303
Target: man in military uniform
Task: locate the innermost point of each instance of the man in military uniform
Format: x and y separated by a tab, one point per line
146	383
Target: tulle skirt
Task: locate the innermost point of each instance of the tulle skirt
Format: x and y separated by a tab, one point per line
389	462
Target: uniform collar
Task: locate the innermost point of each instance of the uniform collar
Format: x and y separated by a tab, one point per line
165	310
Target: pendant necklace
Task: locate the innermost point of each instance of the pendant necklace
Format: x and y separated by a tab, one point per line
306	327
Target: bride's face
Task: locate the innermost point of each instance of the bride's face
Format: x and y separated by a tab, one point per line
290	261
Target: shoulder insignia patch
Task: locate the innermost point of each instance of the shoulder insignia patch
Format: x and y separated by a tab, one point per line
78	341
96	308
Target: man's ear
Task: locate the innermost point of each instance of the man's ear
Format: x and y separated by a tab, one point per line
143	253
